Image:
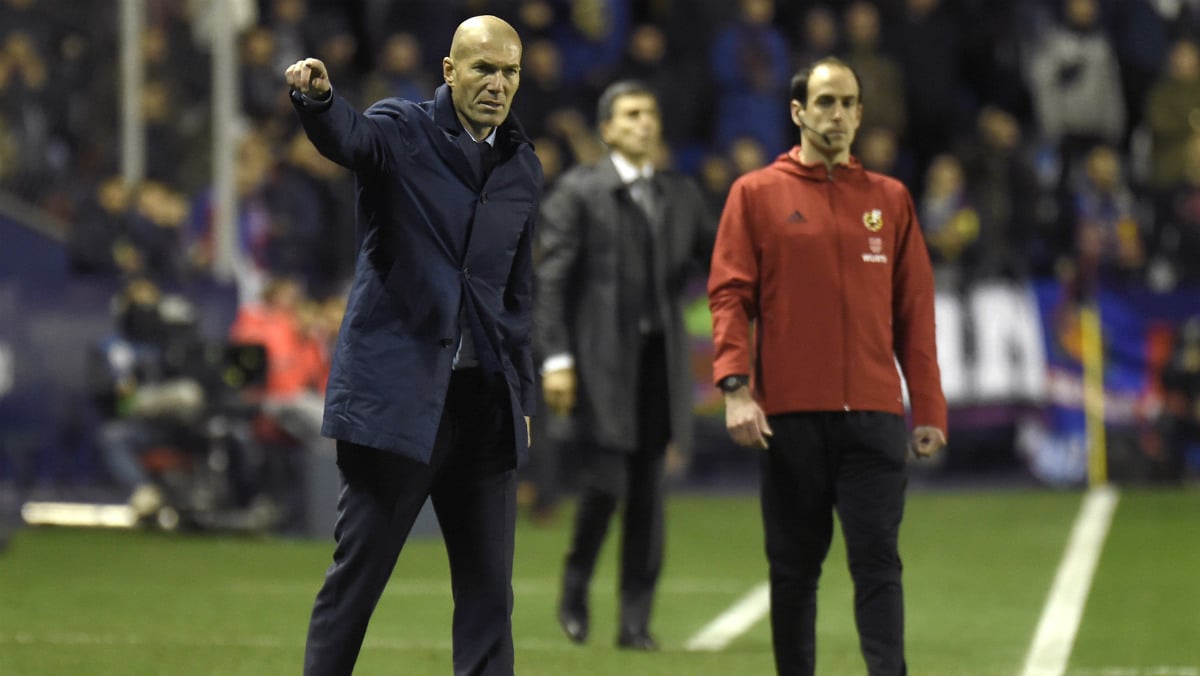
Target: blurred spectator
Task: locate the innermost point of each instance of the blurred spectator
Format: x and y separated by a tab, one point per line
1176	248
1142	39
173	156
994	46
542	88
747	153
130	232
297	362
422	18
879	150
259	71
1109	244
148	404
100	224
570	127
534	19
716	175
592	37
152	244
690	25
750	61
1173	114
171	57
254	219
294	33
817	35
177	433
1182	16
25	109
321	331
28	18
308	239
676	82
337	46
881	75
554	162
927	48
399	71
1004	189
1076	85
949	222
161	62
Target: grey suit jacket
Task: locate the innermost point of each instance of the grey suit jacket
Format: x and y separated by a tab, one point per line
582	280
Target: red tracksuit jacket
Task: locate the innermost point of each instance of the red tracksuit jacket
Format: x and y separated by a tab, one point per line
832	268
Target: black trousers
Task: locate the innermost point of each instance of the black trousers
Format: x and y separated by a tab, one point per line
612	476
855	463
472	481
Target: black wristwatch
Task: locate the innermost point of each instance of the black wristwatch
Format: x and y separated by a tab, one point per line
731	383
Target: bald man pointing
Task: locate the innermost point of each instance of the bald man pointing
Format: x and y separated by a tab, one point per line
432	383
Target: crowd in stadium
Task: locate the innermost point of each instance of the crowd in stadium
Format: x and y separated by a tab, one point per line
1038	137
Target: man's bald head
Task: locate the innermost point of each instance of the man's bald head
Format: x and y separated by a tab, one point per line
480	30
483	72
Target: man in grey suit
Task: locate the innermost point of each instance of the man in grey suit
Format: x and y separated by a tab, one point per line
618	242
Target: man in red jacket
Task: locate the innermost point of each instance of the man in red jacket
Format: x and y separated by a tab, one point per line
826	261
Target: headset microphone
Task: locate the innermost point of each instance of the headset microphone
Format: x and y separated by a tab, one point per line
822	135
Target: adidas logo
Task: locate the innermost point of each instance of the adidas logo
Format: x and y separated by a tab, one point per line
797	217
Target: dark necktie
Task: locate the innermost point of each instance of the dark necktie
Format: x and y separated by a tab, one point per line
642	192
487	157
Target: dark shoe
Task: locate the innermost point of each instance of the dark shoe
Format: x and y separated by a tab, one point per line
636	639
573	606
574	623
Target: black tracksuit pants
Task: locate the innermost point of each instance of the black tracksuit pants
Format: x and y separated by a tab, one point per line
854	463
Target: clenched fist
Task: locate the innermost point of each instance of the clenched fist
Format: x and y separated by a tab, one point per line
927	440
309	77
558	387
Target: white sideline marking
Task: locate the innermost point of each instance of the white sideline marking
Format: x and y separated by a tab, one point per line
733	622
1055	635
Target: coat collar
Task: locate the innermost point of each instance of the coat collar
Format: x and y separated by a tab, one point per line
607	180
790	163
607	177
628	171
509	135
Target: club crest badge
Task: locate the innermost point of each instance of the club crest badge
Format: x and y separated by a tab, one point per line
873	219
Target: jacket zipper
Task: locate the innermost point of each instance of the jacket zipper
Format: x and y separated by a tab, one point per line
841	272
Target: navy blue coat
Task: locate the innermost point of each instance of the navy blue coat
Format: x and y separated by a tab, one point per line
431	240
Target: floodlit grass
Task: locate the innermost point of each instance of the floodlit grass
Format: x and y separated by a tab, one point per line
978	566
1144	608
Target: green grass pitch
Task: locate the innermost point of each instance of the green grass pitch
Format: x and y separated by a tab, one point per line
978	566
